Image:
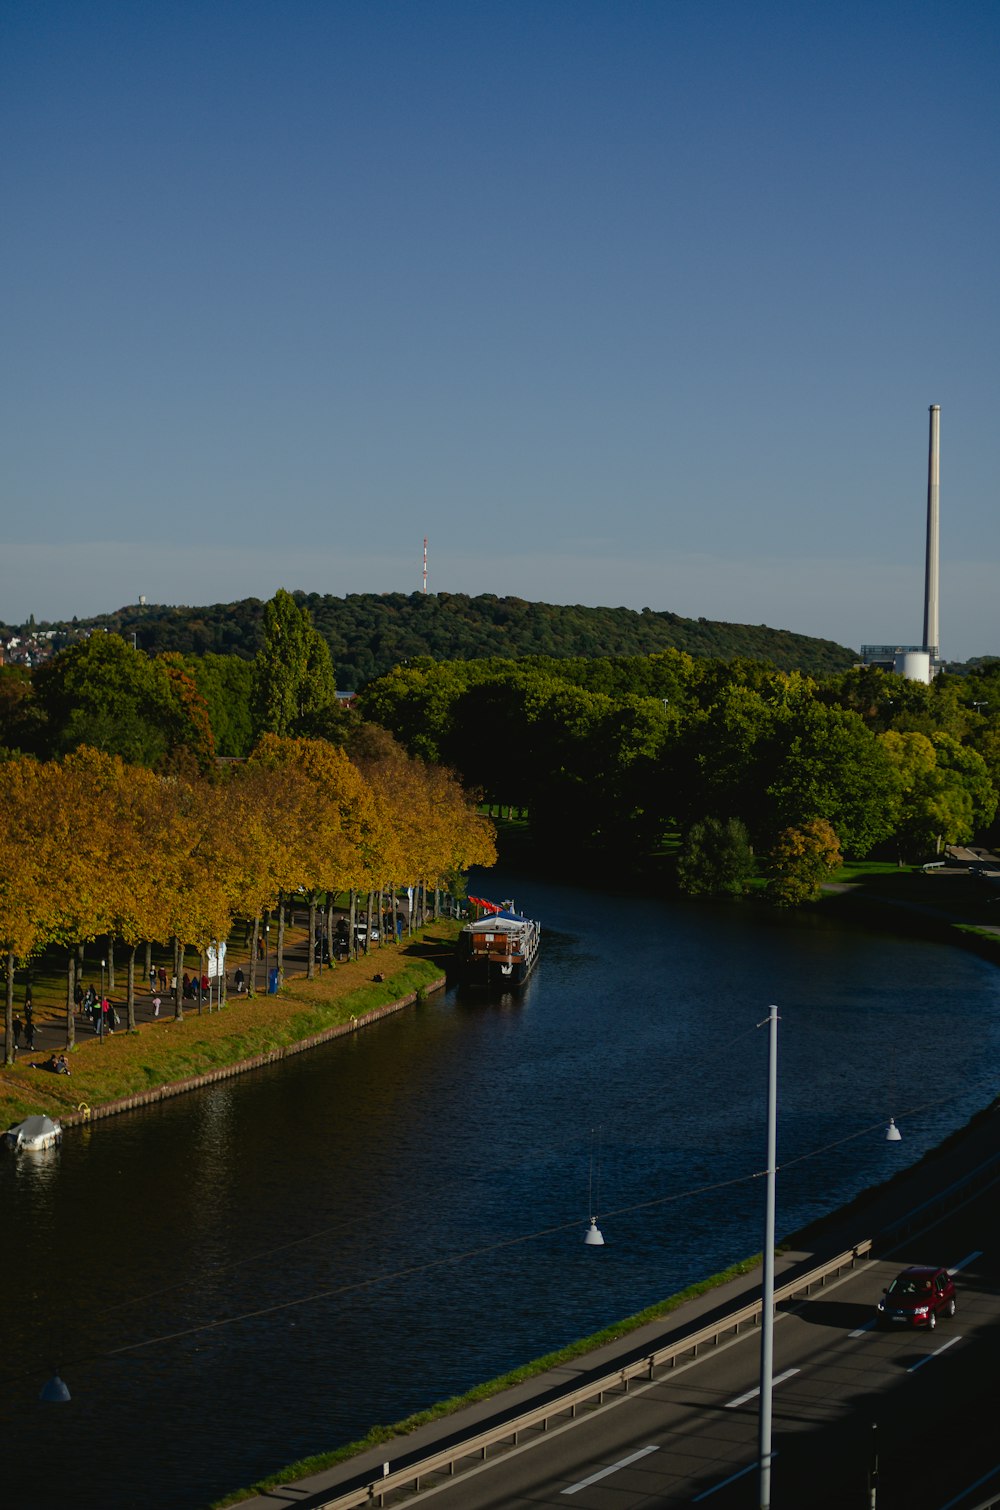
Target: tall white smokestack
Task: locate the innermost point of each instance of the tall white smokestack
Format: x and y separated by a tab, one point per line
931	570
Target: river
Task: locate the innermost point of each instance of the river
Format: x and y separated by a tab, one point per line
264	1269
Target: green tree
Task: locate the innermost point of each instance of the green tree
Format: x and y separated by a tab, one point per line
103	693
19	715
717	859
226	684
831	766
725	757
293	682
943	791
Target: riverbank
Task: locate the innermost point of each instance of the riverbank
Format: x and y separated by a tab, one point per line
167	1057
947	906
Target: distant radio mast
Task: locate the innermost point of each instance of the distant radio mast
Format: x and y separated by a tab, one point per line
425	563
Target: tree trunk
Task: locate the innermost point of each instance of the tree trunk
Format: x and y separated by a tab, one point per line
351	949
201	975
329	922
392	904
149	958
252	968
311	950
8	1014
280	952
179	950
70	1002
368	921
130	999
111	964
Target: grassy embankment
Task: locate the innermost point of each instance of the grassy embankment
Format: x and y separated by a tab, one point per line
166	1051
947	907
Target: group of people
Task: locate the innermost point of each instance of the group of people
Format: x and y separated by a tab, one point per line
25	1025
99	1009
194	987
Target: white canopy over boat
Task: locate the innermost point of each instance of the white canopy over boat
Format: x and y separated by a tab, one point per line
34	1132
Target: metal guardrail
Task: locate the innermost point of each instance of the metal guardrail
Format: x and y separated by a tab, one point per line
960	1190
540	1417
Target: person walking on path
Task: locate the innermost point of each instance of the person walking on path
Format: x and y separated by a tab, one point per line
152	980
18	1025
161	976
29	1034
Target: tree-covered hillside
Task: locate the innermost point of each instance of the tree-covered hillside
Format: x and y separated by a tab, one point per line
370	633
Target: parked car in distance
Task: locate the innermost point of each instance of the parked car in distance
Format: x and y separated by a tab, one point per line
917	1297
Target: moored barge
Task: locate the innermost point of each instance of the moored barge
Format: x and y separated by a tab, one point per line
499	949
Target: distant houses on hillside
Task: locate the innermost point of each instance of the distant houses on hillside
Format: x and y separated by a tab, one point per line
33	647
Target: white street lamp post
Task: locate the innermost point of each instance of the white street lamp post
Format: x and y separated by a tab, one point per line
767	1299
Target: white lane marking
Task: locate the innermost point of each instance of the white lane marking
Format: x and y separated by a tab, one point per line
750	1468
603	1473
969	1489
936	1354
752	1393
859	1331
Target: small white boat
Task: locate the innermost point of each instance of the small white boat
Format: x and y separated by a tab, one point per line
34	1132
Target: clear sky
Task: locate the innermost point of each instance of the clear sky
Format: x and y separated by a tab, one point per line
618	303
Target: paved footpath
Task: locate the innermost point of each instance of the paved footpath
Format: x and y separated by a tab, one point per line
50	1022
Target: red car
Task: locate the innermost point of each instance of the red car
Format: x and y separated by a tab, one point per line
917	1297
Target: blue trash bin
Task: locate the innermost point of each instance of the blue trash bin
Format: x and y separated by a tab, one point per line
272	983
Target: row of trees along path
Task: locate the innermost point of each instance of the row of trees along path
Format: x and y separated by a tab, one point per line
99	849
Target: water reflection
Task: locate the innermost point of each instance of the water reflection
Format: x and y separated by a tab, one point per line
297	1254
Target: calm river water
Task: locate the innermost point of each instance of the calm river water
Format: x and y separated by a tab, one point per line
263	1270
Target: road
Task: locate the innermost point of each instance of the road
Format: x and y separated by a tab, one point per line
690	1436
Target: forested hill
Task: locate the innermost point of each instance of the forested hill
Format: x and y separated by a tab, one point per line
369	633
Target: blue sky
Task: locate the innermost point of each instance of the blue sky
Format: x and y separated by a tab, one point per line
617	303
